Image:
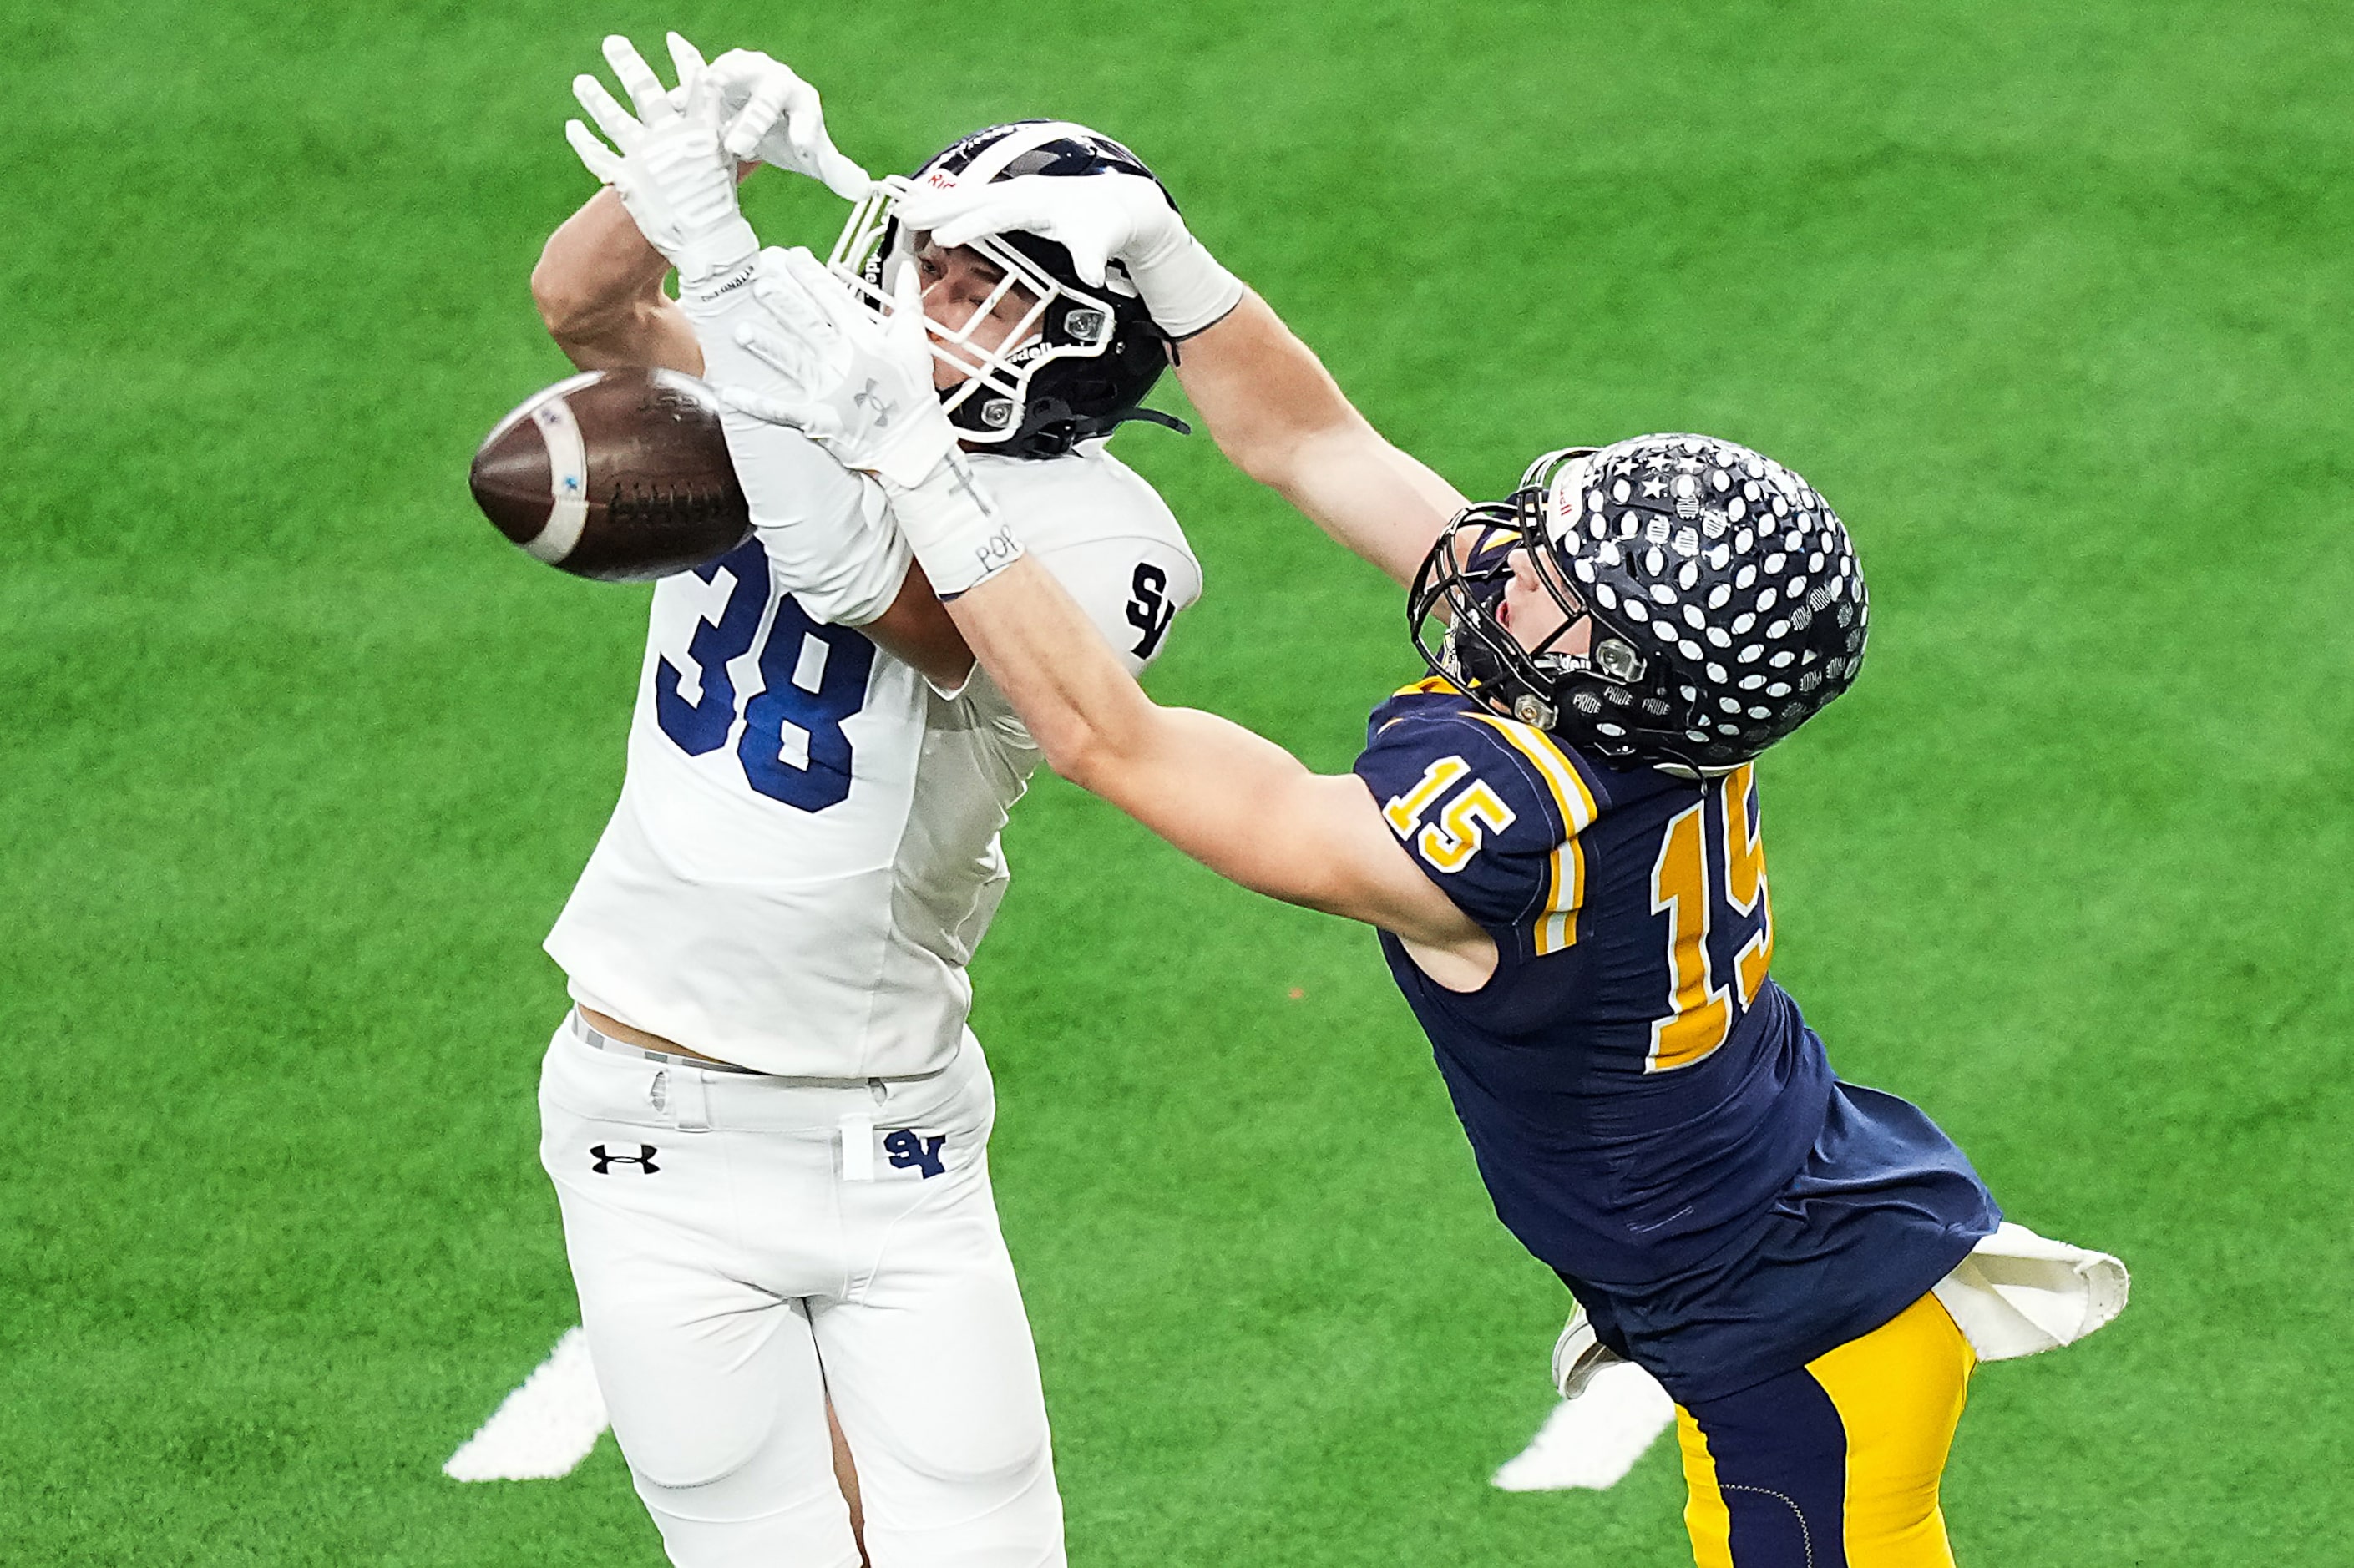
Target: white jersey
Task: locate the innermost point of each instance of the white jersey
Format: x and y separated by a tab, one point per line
805	853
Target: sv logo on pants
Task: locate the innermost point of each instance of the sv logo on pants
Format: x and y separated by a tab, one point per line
906	1147
603	1160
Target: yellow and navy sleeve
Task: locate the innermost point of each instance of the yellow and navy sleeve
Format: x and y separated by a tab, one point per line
1489	808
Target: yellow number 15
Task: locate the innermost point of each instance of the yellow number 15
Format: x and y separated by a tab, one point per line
1449	843
1702	1011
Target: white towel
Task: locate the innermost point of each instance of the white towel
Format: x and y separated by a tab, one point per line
2018	1293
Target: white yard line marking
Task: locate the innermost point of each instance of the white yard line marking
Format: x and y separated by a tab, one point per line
544	1429
1594	1440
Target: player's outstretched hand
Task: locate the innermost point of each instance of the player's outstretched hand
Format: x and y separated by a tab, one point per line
1098	218
859	387
768	114
666	162
862	389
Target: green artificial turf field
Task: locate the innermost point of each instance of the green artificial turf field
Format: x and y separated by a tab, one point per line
298	759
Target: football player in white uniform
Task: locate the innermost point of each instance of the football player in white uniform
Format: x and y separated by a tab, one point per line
766	1120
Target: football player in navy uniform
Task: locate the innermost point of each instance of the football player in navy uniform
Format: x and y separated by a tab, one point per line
1558	836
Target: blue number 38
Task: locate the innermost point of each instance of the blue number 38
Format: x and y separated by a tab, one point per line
812	677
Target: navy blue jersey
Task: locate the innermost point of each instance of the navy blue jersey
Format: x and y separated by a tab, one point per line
1649	1111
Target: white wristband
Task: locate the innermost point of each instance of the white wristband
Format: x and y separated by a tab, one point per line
954	527
1186	290
716	262
715	306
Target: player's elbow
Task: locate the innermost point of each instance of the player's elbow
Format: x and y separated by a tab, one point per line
576	307
1261	449
564	306
1103	759
1077	752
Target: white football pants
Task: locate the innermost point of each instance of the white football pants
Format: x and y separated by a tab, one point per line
745	1246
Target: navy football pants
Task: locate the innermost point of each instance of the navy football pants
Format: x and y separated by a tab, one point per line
1835	1464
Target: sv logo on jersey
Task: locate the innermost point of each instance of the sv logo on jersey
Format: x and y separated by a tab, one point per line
603	1159
1150	611
906	1148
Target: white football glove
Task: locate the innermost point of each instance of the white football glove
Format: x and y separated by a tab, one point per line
859	387
669	172
863	389
1098	219
770	114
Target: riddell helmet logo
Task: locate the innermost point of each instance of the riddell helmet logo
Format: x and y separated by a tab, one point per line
940	180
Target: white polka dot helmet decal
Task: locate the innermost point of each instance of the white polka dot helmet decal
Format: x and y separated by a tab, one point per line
1727	604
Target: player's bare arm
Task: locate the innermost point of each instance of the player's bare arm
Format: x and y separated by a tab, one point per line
1238	803
599	281
598	287
1271	405
914	631
1279	417
1233	801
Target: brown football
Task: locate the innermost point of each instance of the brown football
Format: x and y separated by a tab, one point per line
621	475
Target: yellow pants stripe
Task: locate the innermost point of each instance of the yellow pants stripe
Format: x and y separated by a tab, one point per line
1706	1519
1898	1394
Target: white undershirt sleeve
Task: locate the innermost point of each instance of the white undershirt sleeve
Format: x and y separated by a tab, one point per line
830	540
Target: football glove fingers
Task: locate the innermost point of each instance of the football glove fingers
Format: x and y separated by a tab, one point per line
671	176
796	280
805	366
1093	218
800	297
637	80
600	160
774	116
812	417
614	120
880	414
948	516
687	61
797	333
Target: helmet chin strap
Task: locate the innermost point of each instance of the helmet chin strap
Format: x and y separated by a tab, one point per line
1152	417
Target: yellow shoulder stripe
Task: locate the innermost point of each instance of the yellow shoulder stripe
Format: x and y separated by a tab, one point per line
1561	777
1427	686
1557	928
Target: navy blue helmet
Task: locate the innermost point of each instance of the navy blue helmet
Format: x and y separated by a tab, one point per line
1081	358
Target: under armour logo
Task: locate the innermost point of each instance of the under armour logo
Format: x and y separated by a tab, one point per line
908	1147
1150	611
604	1160
883	407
